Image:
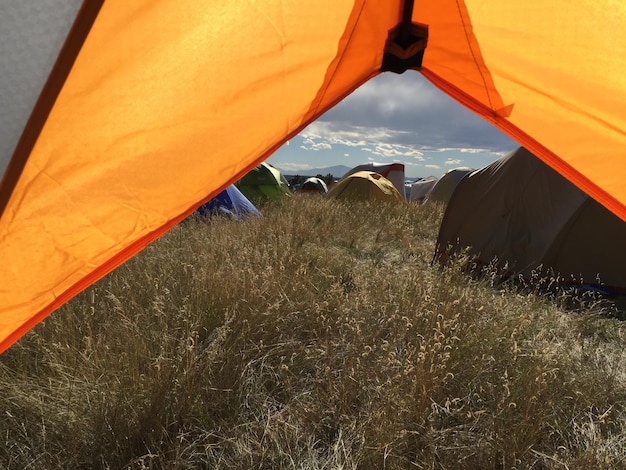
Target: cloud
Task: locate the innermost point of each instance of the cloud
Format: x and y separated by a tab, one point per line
312	143
387	150
391	151
379	142
407	110
342	133
398	118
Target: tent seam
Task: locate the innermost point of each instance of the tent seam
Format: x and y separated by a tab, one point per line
476	61
340	58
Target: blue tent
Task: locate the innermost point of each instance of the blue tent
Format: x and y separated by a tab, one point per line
230	202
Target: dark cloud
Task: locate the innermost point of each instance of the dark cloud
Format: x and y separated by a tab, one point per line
416	114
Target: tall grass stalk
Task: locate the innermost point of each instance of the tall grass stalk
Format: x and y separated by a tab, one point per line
316	337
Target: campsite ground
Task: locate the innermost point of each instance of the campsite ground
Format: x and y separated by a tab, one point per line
317	336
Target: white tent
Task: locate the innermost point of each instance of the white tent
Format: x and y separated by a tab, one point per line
420	189
394	172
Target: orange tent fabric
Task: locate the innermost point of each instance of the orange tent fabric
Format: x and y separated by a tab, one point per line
150	99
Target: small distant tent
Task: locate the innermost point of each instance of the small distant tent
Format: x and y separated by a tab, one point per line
230	202
365	186
264	183
444	187
532	220
394	172
313	185
420	189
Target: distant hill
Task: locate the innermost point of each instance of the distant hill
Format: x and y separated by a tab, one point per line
337	171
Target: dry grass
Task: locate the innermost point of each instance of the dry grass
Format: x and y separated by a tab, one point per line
316	337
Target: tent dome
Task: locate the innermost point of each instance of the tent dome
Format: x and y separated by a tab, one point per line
314	185
365	186
443	188
530	219
394	172
230	202
264	183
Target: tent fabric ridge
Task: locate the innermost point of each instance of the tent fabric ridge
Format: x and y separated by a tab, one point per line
557	252
473	52
494	116
335	64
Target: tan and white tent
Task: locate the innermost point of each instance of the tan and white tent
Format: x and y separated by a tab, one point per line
365	186
394	172
530	219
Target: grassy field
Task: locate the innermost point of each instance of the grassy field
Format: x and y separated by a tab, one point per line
316	337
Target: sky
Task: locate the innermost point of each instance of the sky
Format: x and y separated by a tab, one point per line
396	118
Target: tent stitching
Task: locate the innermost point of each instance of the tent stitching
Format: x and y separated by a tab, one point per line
476	62
340	57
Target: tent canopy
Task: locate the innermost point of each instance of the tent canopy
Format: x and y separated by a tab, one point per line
129	108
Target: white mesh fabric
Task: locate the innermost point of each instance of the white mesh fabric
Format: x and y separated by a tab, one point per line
32	33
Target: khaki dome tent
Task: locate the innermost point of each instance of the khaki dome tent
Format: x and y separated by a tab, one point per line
524	214
443	188
365	186
264	183
394	172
